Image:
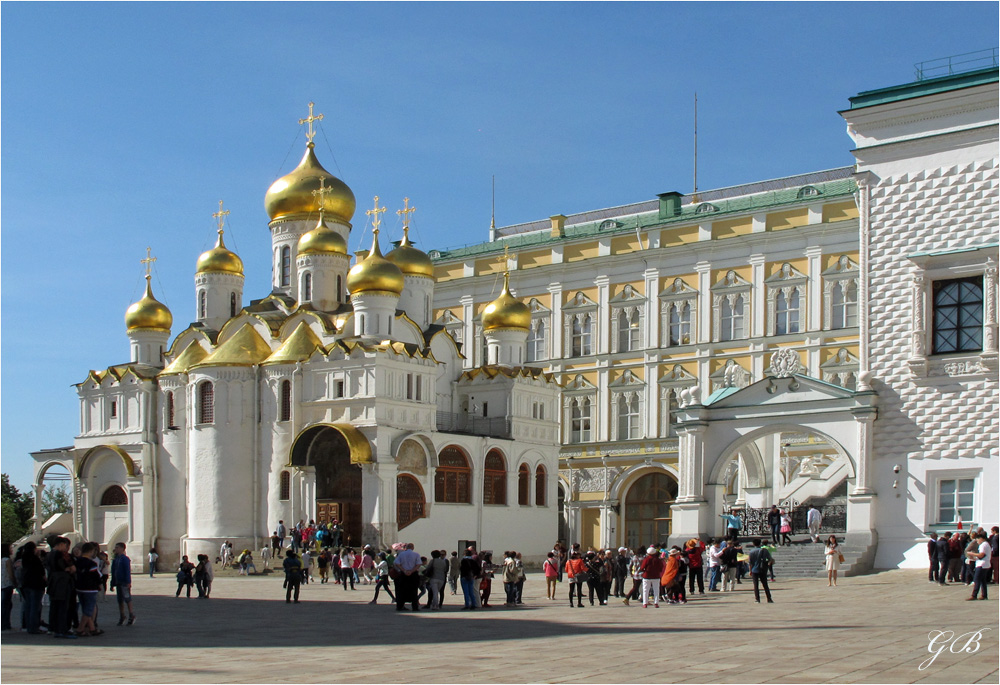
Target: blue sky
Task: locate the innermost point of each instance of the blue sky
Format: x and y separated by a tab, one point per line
124	124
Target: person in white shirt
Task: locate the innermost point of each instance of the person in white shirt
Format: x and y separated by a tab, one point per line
714	565
152	556
814	519
265	556
983	565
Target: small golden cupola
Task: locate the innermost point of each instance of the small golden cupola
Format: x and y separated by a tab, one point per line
375	273
506	311
322	240
410	260
148	313
219	260
292	196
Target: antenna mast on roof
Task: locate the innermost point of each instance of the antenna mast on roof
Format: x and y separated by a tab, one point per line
493	211
695	144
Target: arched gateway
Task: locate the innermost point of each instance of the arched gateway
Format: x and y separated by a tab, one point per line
334	454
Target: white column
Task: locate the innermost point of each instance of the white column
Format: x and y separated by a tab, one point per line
556	324
603	320
814	320
704	313
758	312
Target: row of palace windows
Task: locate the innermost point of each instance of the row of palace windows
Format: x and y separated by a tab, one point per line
680	325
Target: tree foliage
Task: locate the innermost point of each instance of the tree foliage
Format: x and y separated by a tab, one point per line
56	500
18	508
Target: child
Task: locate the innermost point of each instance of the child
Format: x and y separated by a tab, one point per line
88	582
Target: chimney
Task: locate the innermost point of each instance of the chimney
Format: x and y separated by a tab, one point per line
670	204
558	225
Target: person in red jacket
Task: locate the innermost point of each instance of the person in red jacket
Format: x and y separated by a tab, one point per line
652	569
693	550
576	571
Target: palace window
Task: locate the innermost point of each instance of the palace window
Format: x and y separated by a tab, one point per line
580	419
581	336
410	503
958	315
536	341
494	479
286	401
285	486
679	323
286	266
114	496
844	304
206	403
629	329
523	485
786	311
732	319
627	405
452	477
956	498
540	486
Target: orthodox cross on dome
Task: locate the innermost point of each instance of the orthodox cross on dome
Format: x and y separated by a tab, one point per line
505	259
321	193
148	262
220	216
311	132
374	214
405	213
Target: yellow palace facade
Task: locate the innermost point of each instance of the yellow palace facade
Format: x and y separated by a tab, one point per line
682	300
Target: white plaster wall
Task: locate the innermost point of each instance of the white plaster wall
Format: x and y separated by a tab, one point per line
218	289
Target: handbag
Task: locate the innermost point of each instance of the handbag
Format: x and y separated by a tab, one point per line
840	557
394	573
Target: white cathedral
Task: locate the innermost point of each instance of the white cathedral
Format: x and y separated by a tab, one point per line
334	397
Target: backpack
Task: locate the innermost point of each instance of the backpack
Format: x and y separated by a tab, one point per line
759	560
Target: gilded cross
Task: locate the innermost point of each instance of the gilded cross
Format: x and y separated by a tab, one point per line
405	213
321	193
148	261
505	258
373	213
311	132
220	216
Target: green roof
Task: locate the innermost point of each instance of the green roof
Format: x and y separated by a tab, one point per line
916	89
693	213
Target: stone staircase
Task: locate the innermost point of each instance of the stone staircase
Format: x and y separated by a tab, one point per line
805	559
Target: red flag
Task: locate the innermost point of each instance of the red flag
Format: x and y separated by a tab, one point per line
960	522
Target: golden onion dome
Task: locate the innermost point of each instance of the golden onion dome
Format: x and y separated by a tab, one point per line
506	311
375	273
219	260
322	240
410	260
148	313
292	194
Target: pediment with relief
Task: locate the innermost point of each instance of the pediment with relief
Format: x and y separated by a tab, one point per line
732	281
678	376
579	383
787	274
537	307
628	294
678	290
626	380
579	301
447	318
845	266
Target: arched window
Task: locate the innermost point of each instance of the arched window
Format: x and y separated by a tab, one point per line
202	304
580	420
628	416
340	292
680	323
286	265
786	310
494	478
628	330
536	341
171	421
540	486
845	305
453	477
409	500
232	305
285	486
523	485
732	319
647	509
114	496
307	287
286	401
206	403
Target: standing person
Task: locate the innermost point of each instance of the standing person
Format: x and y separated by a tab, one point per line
407	564
595	567
509	575
576	572
694	550
520	580
382	578
368	565
469	570
347	567
714	565
994	541
32	588
652	569
729	559
982	557
454	572
323	564
955	559
551	568
941	552
486	583
970	544
200	574
833	560
932	572
774	523
814	519
760	562
621	571
733	525
88	581
121	583
786	527
562	556
282	533
59	565
265	557
184	576
152	557
306	561
207	577
635	572
225	553
437	575
7	583
293	576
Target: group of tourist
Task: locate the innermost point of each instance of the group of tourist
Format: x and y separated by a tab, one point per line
73	579
302	535
965	558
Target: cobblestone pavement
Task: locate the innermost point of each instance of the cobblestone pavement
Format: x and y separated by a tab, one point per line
870	629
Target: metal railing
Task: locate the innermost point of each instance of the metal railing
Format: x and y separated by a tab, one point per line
956	64
462	422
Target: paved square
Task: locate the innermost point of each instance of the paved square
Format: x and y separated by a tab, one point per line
870	629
